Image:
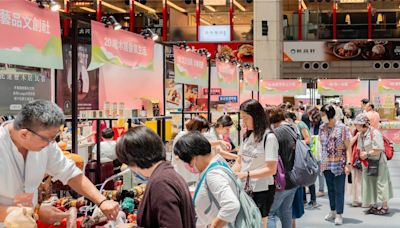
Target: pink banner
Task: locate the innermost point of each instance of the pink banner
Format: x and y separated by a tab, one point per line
121	48
190	67
227	75
389	86
283	87
250	78
30	35
392	134
332	87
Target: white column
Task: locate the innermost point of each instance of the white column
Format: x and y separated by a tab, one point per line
268	49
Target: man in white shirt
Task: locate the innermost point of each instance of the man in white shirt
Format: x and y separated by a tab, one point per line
28	151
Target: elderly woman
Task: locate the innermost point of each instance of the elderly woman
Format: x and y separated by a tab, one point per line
376	186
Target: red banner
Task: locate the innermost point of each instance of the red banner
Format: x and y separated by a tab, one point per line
283	87
190	68
332	87
227	75
121	48
250	78
30	35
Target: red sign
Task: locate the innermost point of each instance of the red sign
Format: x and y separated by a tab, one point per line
214	91
121	48
250	78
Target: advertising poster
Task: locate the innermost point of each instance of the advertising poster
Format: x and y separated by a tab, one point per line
21	85
333	87
190	68
88	82
121	48
227	75
283	87
340	51
30	35
250	79
389	86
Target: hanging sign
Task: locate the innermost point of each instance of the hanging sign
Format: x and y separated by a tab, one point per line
227	75
120	48
333	87
214	91
389	86
282	87
190	68
250	78
31	35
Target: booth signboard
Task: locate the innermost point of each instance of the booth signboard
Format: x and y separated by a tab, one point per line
300	51
335	87
30	35
214	91
120	48
250	79
227	75
389	86
283	87
19	86
214	33
233	99
190	68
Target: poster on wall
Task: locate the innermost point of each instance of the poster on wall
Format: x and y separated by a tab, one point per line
300	51
88	82
30	35
334	87
21	85
283	87
389	86
120	48
250	79
227	75
190	68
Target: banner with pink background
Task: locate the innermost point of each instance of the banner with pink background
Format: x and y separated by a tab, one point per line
333	87
282	87
227	75
190	68
30	35
120	48
250	78
389	86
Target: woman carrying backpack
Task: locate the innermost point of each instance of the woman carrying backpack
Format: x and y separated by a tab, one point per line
195	150
335	160
258	156
376	184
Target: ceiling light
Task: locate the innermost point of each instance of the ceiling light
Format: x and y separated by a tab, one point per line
87	9
212	9
180	9
54	6
110	20
205	22
150	10
188	49
147	32
118	9
40	3
303	5
238	5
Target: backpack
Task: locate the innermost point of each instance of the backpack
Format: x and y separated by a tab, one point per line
279	177
305	168
249	215
388	146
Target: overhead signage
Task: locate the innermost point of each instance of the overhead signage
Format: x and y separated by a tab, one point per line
227	75
214	33
250	78
283	87
190	68
334	87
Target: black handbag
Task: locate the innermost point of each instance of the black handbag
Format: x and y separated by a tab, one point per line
247	187
357	164
373	167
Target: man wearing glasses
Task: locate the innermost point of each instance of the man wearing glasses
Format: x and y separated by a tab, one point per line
28	151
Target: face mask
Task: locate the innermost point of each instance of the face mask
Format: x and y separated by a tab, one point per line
325	119
139	176
192	169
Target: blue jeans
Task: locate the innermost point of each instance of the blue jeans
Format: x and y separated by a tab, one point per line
321	179
282	207
336	186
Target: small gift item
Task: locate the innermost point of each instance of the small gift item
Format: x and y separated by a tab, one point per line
20	217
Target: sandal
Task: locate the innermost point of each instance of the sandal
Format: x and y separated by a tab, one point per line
382	211
371	210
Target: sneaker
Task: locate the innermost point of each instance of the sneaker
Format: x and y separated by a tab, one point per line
312	205
331	216
356	204
320	194
338	220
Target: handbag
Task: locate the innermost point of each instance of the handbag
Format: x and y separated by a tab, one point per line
247	187
357	164
373	167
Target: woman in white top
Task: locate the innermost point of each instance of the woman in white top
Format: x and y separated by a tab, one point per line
195	150
258	155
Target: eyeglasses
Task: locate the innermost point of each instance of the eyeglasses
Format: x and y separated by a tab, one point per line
45	138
